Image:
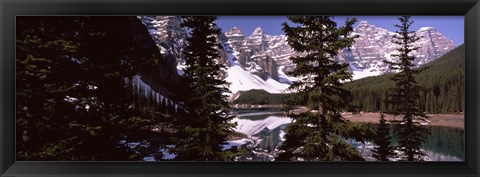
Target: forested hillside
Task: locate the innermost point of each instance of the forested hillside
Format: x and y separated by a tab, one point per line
261	97
443	81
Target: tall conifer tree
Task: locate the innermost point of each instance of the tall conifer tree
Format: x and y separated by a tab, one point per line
206	123
384	150
72	99
404	97
317	135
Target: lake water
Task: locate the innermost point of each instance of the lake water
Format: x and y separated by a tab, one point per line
264	129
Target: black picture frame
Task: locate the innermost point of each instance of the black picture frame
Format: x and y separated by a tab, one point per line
11	8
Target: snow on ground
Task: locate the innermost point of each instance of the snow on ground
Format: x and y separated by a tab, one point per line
281	135
180	69
252	127
149	159
282	86
237	143
242	80
166	154
362	74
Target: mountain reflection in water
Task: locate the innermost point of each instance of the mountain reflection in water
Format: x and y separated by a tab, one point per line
264	129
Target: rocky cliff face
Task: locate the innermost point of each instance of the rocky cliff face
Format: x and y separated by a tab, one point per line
433	44
163	80
367	54
375	44
170	37
251	52
167	34
263	55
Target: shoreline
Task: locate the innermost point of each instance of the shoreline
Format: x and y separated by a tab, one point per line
445	120
255	106
453	120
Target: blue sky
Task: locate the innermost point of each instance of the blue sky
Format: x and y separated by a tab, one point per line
450	26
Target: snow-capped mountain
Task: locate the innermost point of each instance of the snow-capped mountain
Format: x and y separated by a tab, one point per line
167	34
251	52
256	70
170	37
375	45
366	56
260	61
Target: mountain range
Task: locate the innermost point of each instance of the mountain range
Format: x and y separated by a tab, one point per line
260	61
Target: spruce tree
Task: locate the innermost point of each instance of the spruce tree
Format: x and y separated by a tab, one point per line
318	134
203	128
404	99
73	101
383	150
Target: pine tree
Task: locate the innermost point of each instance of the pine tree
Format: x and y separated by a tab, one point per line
73	99
318	134
404	97
440	79
204	126
384	150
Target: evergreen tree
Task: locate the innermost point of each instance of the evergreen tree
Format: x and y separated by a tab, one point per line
384	150
405	96
73	101
318	134
440	78
203	128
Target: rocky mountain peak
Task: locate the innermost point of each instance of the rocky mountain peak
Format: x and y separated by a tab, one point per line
258	32
235	31
258	40
235	38
167	34
433	44
422	29
364	24
375	45
366	29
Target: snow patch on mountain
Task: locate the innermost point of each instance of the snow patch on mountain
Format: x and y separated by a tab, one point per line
284	78
358	73
282	86
362	74
241	80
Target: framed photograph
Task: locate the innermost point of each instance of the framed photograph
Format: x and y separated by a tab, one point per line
239	88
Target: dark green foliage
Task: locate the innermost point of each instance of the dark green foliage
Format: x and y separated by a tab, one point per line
403	99
384	149
318	134
261	97
72	99
443	81
203	128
